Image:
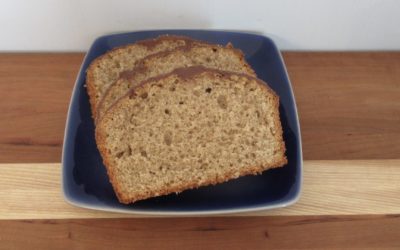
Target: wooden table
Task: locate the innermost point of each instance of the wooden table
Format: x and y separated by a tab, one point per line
349	108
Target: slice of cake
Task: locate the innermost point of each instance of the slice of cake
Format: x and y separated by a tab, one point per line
192	127
211	56
104	70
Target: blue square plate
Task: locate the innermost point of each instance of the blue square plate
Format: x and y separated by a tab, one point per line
85	181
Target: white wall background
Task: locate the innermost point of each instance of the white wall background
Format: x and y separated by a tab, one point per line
72	25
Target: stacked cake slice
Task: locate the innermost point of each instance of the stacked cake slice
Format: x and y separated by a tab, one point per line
185	115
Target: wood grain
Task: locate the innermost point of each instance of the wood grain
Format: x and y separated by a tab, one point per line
326	232
348	104
348	107
32	191
35	89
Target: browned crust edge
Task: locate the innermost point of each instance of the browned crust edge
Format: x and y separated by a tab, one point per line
190	72
90	88
90	82
141	67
